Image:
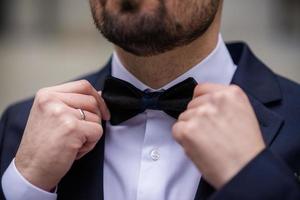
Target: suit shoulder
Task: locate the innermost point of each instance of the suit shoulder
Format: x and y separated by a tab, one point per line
290	89
290	103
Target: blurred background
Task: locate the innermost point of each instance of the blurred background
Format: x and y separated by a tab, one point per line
43	43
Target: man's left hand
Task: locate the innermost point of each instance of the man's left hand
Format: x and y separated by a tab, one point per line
219	132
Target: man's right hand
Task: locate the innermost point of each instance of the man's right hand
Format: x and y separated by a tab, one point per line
55	135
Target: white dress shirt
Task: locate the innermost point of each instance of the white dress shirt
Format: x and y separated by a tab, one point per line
142	159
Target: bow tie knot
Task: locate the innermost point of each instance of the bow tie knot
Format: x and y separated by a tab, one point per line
150	100
125	101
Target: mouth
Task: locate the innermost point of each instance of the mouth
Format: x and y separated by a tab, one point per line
129	5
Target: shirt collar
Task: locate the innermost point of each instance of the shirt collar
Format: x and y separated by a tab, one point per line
217	67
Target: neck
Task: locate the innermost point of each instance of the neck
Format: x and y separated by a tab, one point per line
157	71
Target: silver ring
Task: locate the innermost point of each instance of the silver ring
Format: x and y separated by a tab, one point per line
82	114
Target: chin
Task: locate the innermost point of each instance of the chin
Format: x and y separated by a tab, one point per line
148	27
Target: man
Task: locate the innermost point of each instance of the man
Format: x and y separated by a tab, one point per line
174	115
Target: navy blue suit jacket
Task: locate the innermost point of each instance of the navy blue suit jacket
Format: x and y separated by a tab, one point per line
273	174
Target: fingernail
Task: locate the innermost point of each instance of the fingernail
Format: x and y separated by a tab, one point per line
108	114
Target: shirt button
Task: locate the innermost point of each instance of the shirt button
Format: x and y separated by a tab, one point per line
155	155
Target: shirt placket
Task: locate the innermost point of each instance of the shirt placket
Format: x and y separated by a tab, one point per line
148	183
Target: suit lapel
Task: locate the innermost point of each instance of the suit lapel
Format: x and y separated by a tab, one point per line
264	94
270	122
262	88
85	179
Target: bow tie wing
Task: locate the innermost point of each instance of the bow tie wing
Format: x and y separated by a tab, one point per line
125	101
122	99
175	100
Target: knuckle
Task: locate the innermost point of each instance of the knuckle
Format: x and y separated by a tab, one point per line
178	136
202	112
43	98
199	112
186	134
99	132
205	85
190	104
75	146
95	135
93	102
213	110
86	85
219	97
197	89
181	133
176	130
57	110
236	91
70	125
181	116
209	98
98	120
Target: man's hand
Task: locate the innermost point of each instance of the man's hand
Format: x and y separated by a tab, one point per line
55	136
219	132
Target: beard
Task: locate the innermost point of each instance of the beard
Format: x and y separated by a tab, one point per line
156	31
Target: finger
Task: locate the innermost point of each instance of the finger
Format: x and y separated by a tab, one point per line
206	88
81	87
80	101
187	115
91	131
80	155
198	112
83	131
199	100
177	131
87	147
89	116
103	107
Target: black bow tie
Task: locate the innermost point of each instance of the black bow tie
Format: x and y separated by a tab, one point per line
125	101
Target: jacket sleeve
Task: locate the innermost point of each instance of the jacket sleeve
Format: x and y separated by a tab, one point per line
265	177
3	123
